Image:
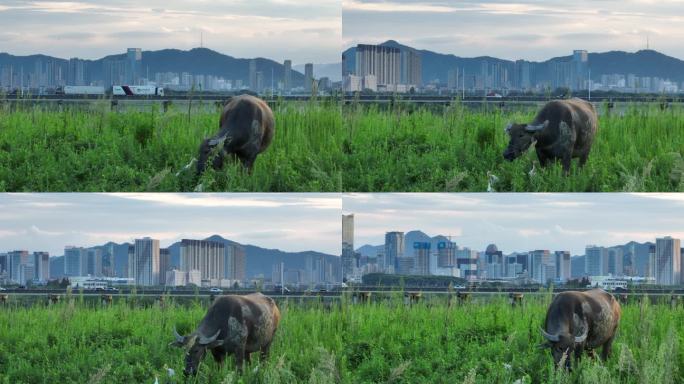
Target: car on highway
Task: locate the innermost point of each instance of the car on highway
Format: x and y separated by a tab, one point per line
3	289
216	290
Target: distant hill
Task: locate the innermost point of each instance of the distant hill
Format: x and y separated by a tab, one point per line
258	260
197	61
410	237
435	66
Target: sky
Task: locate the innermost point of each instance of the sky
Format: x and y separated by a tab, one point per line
523	29
519	222
50	221
300	30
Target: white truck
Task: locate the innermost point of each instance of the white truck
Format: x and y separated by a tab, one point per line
81	90
137	90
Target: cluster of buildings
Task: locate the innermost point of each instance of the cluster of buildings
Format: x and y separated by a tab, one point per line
202	263
21	266
660	263
632	83
380	68
51	74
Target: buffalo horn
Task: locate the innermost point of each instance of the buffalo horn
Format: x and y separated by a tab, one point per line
549	336
208	340
179	339
582	337
508	127
536	128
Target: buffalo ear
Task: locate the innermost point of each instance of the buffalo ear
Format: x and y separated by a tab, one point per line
215	343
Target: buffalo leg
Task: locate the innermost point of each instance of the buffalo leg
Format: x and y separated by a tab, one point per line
239	358
607	347
543	159
583	159
567	159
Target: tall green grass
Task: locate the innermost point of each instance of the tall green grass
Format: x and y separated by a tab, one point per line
384	341
411	148
95	149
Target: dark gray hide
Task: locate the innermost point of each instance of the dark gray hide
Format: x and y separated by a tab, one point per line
246	128
233	324
579	321
563	129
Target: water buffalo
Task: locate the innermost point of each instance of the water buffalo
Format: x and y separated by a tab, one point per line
246	127
233	324
579	321
563	129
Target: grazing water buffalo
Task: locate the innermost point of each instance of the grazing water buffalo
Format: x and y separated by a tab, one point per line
246	129
233	324
563	129
578	321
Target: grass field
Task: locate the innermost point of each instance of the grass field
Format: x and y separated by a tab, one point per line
410	148
386	342
100	150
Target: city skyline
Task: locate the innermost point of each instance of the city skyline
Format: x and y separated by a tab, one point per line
92	29
49	221
521	30
519	222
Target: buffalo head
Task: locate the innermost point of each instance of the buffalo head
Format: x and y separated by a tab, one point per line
522	136
563	345
196	344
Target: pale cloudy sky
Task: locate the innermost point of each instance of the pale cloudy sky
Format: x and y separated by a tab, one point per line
301	30
522	29
49	221
520	221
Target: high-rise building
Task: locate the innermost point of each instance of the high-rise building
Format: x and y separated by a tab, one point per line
394	248
406	265
131	269
41	265
563	265
580	59
164	264
259	81
133	66
411	68
15	261
615	261
253	75
494	262
76	72
93	262
466	261
348	260
206	256
667	261
4	262
452	79
596	261
446	254
308	77
537	261
74	261
146	258
383	62
235	263
287	75
421	254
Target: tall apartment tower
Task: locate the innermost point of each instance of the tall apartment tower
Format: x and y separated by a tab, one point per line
421	254
41	264
208	257
235	263
382	62
562	264
252	75
348	260
287	75
146	256
411	68
667	261
133	66
394	248
308	77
